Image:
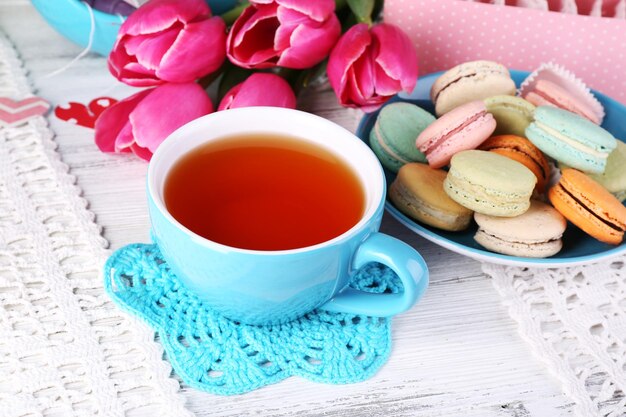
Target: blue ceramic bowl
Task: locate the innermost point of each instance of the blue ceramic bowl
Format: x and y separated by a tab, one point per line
578	247
71	19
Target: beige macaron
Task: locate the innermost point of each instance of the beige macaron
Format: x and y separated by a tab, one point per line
476	80
418	192
535	234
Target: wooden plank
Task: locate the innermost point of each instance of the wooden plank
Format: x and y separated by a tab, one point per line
456	353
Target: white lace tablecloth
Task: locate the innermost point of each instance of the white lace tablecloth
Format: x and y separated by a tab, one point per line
575	321
65	349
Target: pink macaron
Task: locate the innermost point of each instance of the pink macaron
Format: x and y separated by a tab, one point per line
547	93
463	128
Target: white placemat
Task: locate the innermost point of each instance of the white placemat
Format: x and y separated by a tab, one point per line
575	321
65	349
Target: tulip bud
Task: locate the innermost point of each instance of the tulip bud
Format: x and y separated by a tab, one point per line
168	41
260	89
142	121
369	66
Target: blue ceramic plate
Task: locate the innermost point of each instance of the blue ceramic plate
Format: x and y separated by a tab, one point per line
578	247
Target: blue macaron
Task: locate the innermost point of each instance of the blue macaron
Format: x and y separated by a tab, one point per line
571	139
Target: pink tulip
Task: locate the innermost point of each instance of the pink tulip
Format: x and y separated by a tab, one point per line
142	121
367	67
168	41
289	33
260	89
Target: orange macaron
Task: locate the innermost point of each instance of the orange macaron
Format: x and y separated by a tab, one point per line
589	206
523	151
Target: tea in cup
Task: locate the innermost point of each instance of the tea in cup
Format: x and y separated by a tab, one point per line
268	213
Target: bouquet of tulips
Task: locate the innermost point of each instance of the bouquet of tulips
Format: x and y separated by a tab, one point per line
258	54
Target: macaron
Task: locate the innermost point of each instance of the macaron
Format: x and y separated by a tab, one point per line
463	128
393	137
489	183
553	85
589	206
418	192
470	81
512	114
523	151
546	93
614	176
535	234
571	139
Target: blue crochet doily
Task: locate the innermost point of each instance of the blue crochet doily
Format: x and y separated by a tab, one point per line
214	354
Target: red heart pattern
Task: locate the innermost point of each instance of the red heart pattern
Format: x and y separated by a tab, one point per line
82	115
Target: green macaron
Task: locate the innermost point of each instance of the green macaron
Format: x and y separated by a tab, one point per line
512	114
489	183
614	176
393	137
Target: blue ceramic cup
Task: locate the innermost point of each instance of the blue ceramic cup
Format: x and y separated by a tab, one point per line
269	287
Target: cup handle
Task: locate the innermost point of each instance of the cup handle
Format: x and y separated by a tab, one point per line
405	261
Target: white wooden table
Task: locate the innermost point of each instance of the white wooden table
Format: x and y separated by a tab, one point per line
456	353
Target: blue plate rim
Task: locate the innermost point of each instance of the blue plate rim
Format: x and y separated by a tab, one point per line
484	255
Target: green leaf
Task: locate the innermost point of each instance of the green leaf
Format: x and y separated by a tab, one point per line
362	9
232	15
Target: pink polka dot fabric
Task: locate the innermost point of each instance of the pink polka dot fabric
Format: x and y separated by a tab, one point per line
449	32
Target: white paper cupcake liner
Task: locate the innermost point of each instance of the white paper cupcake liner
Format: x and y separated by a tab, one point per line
557	74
